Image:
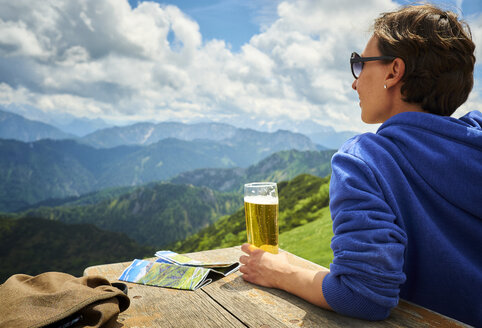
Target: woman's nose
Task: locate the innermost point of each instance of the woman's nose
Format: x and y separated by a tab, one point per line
354	84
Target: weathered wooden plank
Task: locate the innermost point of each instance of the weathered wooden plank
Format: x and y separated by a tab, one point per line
163	307
245	300
281	309
232	302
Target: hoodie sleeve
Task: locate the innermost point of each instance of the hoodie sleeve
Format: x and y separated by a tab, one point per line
368	245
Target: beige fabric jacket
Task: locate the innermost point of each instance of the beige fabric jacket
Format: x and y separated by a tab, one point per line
49	298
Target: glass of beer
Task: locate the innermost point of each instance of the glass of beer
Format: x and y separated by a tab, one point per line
261	210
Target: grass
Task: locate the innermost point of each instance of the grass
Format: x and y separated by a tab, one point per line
311	241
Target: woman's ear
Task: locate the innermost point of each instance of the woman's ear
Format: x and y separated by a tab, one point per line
395	72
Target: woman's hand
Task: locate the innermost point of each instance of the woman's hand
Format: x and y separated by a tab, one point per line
263	268
274	270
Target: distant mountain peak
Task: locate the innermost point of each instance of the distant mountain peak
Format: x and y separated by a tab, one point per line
14	126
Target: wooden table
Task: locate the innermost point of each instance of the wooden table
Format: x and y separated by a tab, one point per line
232	302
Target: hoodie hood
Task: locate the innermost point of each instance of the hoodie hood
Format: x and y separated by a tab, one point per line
444	151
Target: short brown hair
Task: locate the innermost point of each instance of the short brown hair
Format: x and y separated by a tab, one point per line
438	52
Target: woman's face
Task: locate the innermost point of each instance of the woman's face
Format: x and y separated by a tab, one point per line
374	98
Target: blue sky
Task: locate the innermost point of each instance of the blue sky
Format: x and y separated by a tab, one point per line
264	64
235	21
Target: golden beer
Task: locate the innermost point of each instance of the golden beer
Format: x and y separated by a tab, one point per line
262	222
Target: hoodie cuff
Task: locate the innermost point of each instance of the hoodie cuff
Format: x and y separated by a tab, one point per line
344	301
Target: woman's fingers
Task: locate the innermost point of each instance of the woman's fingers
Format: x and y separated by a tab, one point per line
243	259
243	269
248	248
245	248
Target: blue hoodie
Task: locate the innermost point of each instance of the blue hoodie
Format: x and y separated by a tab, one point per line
406	204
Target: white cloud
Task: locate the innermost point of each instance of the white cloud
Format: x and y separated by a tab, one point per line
17	40
475	23
473	102
100	58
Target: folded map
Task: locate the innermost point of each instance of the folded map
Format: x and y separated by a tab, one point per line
178	271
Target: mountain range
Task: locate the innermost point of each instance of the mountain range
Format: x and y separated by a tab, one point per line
13	126
68	123
224	134
45	165
35	171
98	133
280	166
149	133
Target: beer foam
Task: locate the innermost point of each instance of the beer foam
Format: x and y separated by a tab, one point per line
262	200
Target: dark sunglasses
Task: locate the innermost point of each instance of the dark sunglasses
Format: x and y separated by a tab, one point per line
356	62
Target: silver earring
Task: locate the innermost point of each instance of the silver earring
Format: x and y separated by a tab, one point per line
384	86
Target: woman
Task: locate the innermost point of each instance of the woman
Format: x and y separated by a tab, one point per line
406	202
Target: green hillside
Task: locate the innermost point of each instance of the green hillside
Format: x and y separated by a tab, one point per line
304	223
36	171
155	214
85	199
312	240
33	246
286	165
